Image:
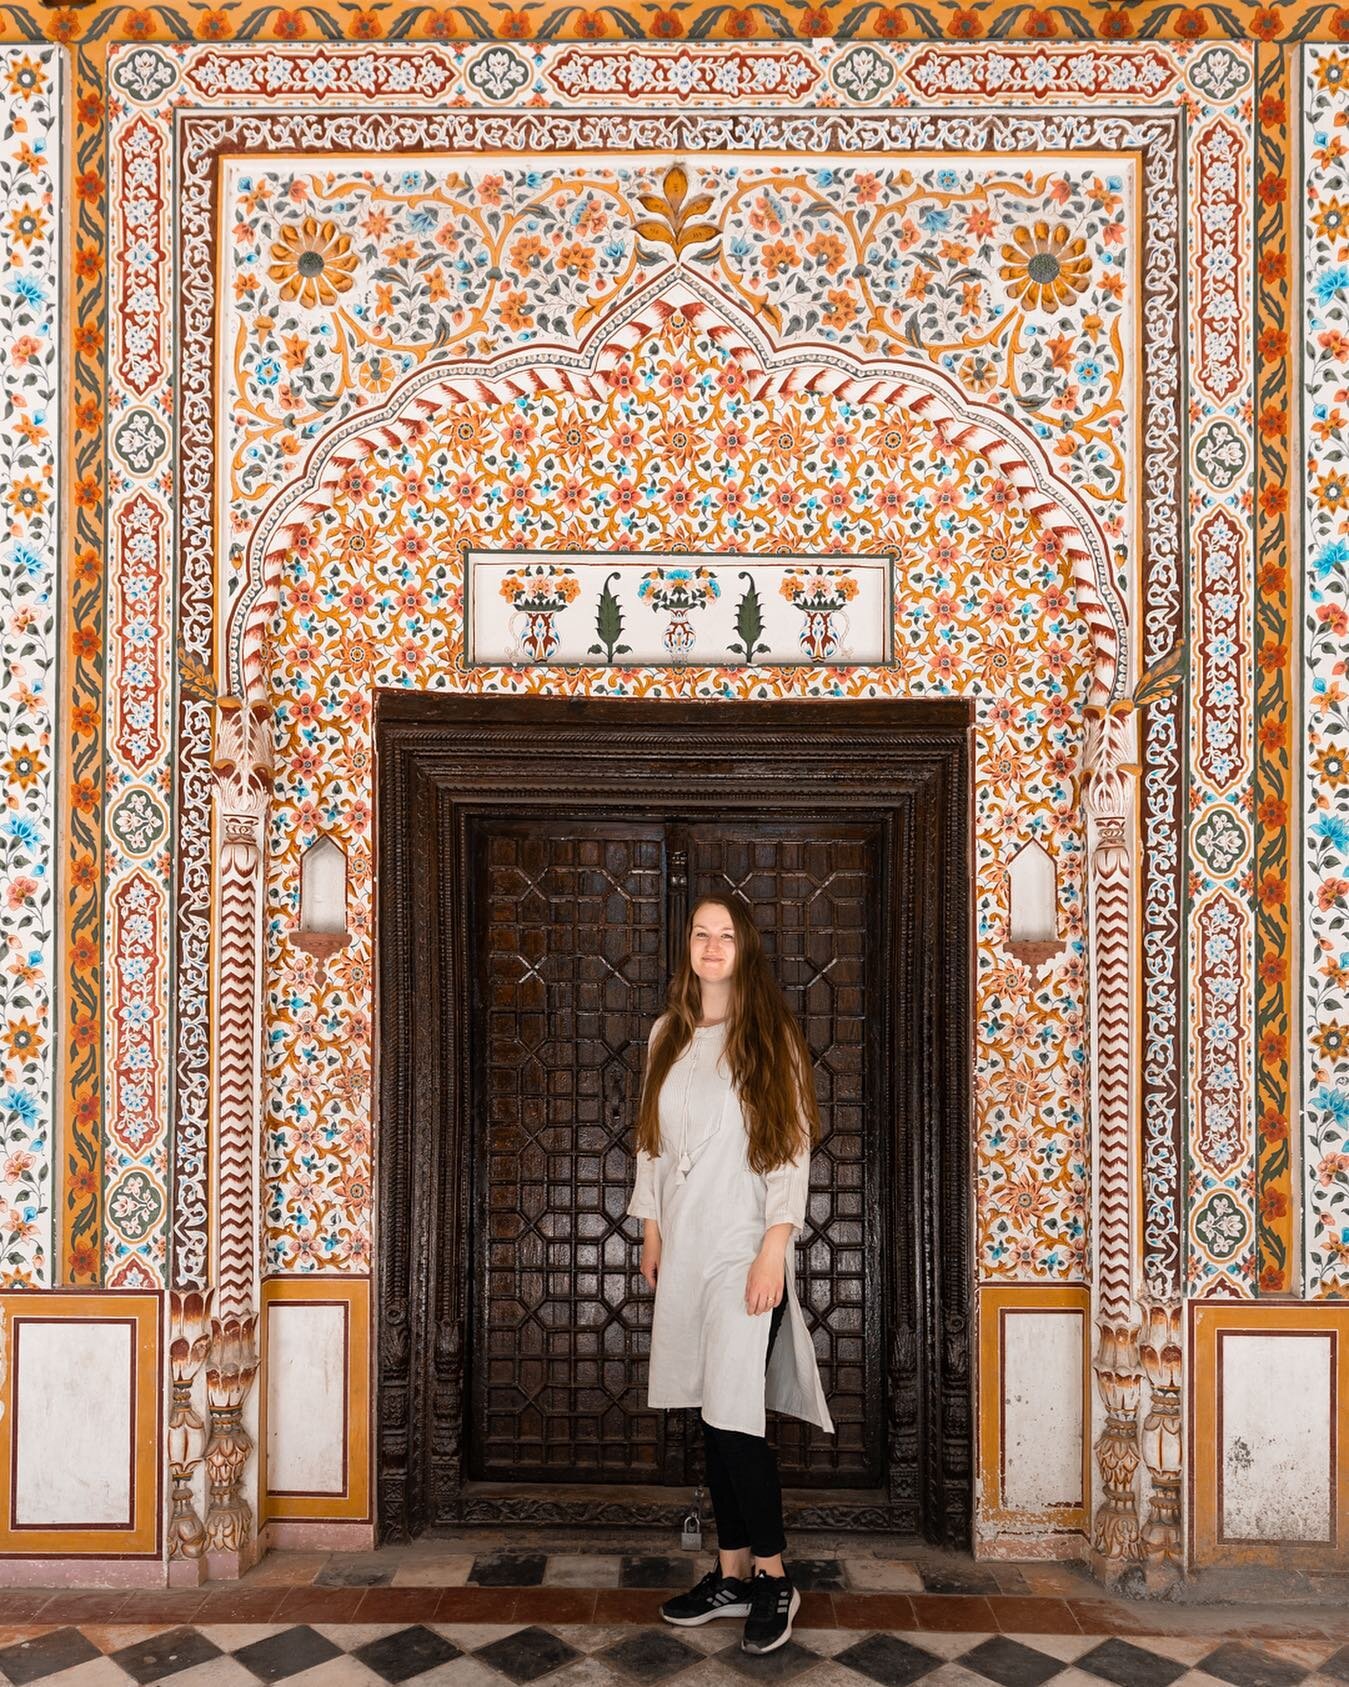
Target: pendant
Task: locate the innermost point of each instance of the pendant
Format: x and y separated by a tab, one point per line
684	1164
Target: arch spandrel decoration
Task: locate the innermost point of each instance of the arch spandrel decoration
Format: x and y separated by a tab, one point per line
770	372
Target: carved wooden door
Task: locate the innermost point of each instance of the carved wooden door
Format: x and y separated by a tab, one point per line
575	930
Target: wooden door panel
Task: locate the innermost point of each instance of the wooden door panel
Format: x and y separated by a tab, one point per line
814	891
571	973
451	1172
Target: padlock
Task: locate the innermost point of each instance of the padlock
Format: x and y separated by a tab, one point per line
691	1536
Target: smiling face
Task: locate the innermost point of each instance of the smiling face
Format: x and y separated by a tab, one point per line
712	944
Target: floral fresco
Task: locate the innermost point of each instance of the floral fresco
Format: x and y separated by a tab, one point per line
358	294
1014	281
30	100
1326	639
372	596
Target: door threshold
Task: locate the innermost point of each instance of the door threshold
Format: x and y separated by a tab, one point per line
596	1505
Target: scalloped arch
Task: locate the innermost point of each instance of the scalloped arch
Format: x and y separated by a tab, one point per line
802	366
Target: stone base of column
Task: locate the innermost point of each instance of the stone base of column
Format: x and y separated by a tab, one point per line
230	1565
187	1572
1123	1575
1160	1576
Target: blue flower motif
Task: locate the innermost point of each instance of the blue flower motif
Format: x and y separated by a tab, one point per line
1330	557
1329	282
1330	1098
1332	829
22	830
20	1102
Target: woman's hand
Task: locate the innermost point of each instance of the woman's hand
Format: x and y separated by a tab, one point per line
650	1251
763	1286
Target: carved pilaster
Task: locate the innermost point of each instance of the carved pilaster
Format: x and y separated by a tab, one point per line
1110	773
1161	1354
243	773
230	1370
189	1342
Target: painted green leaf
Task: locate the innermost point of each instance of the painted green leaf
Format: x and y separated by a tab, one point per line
749	621
609	625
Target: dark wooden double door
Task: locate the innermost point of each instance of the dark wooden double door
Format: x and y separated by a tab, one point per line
577	926
537	858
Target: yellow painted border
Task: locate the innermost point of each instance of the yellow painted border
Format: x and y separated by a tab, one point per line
1209	1321
354	1506
143	1538
995	1301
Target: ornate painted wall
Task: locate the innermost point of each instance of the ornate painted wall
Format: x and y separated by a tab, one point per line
31	80
1017	315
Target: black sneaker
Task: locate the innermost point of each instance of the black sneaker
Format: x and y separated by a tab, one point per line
773	1602
715	1596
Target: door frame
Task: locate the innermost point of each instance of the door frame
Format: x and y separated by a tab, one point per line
442	758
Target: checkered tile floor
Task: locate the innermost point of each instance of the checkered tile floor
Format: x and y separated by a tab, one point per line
594	1655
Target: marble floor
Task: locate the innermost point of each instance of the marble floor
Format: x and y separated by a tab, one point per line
473	1612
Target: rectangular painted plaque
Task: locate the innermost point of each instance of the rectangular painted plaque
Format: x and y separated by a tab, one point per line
629	610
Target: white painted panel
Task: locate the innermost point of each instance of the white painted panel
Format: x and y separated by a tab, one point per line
306	1398
1042	1409
1276	1445
73	1416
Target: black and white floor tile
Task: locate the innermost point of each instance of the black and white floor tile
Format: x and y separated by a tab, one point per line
592	1655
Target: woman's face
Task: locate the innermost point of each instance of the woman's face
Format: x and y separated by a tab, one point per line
712	944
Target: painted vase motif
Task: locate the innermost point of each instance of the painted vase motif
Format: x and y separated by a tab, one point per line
678	637
820	636
678	592
822	595
535	633
538	593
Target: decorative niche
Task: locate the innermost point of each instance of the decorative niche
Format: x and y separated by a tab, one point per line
1033	907
323	900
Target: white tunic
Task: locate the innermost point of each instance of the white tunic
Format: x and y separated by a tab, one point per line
707	1350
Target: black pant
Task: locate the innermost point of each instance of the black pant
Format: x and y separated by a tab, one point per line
742	1477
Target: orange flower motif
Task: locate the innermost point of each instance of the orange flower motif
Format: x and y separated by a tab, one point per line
26	78
1044	267
312	262
779	256
26	225
24	768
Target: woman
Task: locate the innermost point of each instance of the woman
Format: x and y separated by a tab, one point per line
724	1131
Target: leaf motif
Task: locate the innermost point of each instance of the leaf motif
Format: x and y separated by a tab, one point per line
657	233
608	624
676	185
749	621
653	203
698	232
699	205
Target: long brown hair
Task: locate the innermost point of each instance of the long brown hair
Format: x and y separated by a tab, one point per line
769	1061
